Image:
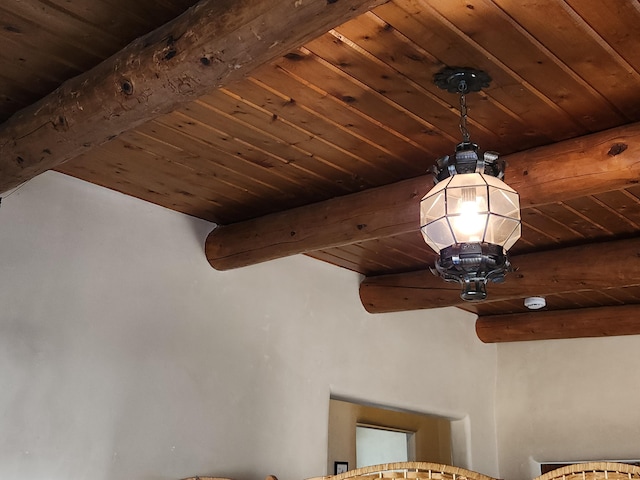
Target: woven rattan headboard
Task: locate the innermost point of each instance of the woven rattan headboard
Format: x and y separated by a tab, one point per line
594	471
409	470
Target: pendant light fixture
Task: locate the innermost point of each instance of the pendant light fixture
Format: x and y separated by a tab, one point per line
471	217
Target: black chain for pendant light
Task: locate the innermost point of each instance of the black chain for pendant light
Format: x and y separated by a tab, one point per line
462	89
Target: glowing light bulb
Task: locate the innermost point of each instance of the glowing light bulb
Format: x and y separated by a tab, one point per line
469	224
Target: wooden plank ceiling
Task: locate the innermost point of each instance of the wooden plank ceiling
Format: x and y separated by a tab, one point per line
356	108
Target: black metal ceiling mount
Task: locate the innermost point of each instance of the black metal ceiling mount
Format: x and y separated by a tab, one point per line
461	79
467	158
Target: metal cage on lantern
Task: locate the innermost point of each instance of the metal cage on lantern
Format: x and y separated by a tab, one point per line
470	207
471	219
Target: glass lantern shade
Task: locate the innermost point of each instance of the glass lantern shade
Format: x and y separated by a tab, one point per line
470	208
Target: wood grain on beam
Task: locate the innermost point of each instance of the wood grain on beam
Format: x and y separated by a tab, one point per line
364	215
593	164
587	267
210	45
589	165
547	325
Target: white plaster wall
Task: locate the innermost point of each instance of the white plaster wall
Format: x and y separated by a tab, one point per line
124	355
567	400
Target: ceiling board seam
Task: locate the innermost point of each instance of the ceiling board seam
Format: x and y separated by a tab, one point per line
436	61
558	62
120	184
630	195
336	125
33	73
279	159
250	164
381	97
322	255
605	46
557	222
277	140
522	241
406	252
127	176
588	299
508	70
635	292
133	168
20	86
363	258
359	112
608	294
615	212
81	20
216	178
97	57
35	49
447	105
540	232
588	219
407	259
220	151
306	132
552	57
398	253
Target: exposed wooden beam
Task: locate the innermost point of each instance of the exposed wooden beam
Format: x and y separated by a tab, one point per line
366	215
593	164
210	45
580	323
587	267
589	165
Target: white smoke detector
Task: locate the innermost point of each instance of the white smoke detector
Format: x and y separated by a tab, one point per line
535	303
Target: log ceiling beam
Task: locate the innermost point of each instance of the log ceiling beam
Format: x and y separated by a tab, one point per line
574	269
592	164
210	45
374	213
581	323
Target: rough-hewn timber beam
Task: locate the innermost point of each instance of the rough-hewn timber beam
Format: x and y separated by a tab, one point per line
210	45
593	164
580	323
374	213
587	267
